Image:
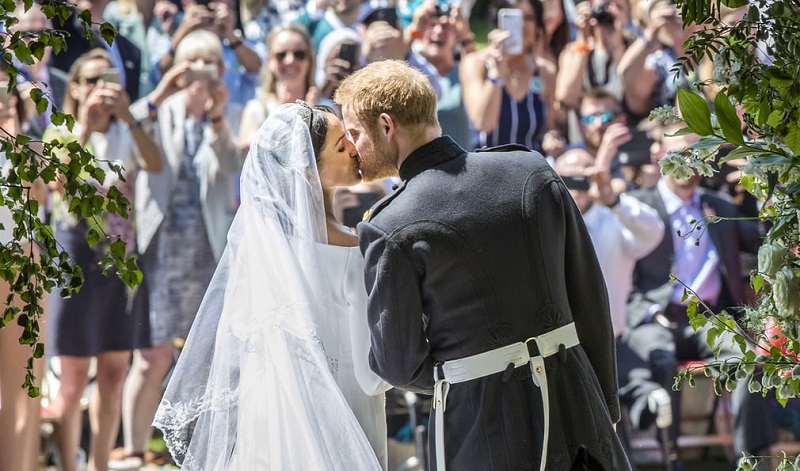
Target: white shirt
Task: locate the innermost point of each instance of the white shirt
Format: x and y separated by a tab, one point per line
622	235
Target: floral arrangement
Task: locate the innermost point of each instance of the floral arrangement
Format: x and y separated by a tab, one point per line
755	48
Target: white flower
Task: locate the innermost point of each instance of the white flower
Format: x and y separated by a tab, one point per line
703	168
771	258
786	292
675	164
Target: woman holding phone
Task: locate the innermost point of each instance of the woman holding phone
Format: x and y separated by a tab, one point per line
96	322
183	215
507	84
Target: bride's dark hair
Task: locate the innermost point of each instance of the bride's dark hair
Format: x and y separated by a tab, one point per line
317	123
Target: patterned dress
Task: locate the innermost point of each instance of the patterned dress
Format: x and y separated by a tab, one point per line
179	264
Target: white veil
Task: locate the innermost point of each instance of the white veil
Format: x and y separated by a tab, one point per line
254	388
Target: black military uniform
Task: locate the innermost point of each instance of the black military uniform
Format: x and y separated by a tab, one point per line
474	252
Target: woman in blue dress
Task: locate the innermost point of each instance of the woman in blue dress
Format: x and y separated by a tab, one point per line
506	94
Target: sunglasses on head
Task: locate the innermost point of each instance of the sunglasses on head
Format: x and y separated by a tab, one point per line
298	54
605	117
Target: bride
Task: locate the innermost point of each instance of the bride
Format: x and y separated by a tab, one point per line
274	374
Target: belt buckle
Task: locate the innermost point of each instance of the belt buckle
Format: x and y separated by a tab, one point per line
533	347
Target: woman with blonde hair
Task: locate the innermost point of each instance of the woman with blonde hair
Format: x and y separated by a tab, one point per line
183	217
96	322
288	75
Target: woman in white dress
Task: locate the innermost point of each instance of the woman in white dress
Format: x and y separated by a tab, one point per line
275	374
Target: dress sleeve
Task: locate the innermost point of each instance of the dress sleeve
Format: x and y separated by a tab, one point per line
370	383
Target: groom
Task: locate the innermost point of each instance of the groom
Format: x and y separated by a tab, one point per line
484	289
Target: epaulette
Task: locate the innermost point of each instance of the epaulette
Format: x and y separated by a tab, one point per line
383	202
504	148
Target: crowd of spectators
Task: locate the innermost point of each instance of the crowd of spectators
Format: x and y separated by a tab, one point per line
181	92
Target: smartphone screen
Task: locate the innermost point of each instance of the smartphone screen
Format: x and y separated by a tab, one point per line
348	52
208	73
110	75
511	20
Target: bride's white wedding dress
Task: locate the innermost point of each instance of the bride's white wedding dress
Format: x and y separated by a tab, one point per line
363	389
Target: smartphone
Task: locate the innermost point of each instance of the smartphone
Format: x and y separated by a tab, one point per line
4	96
349	52
388	15
203	2
576	182
207	73
110	75
443	8
635	152
511	20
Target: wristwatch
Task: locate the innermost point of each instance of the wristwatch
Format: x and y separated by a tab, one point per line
235	42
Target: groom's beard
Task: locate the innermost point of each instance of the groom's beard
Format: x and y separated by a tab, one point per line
382	163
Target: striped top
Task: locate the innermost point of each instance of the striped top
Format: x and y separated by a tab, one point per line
521	122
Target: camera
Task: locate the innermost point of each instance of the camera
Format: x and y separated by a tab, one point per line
442	8
602	15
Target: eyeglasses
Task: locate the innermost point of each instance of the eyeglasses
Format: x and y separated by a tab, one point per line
605	117
90	80
298	54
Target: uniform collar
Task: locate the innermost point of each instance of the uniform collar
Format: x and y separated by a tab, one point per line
435	152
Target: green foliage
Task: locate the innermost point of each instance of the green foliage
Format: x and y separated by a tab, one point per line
757	71
29	272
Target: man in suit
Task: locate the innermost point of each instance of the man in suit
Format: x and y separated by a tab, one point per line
41	74
125	55
704	257
483	288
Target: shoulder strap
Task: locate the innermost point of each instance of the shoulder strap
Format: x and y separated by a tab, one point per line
383	202
505	148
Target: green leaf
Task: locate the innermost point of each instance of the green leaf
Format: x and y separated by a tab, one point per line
711	336
758	283
734	3
92	237
41	105
695	111
108	33
792	138
728	119
37	49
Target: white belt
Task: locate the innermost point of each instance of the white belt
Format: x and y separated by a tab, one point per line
495	361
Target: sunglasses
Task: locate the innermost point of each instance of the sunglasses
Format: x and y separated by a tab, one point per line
91	80
605	117
298	54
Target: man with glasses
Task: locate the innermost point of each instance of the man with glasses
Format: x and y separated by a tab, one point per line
604	129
